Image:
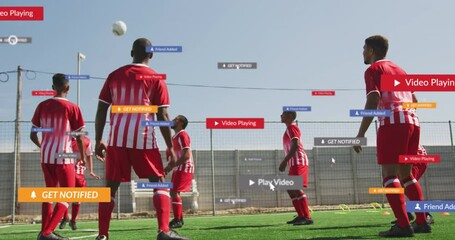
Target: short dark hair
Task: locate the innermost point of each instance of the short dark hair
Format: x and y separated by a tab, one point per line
139	48
184	120
379	44
59	80
293	114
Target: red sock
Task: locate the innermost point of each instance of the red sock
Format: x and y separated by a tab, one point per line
295	203
104	215
57	215
46	214
303	202
414	193
162	204
177	208
396	201
75	211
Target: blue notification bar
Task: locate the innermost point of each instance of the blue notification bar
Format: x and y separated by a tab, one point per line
430	206
170	49
296	109
42	129
157	123
77	77
369	113
149	185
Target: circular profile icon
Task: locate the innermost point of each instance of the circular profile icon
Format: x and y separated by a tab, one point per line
12	40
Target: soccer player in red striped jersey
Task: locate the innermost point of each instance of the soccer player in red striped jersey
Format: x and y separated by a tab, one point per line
398	134
80	180
297	161
131	143
60	117
183	169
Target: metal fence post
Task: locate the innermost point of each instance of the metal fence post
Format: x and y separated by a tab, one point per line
213	171
354	176
237	173
278	194
380	175
316	176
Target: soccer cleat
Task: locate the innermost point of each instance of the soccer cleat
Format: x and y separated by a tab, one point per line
63	223
421	228
101	237
303	221
52	236
73	225
293	220
396	231
410	216
171	235
176	223
430	219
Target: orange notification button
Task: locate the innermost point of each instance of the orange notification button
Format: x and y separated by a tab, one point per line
64	194
419	105
386	190
134	109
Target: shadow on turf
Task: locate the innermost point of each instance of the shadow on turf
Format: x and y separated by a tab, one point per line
232	227
335	238
345	227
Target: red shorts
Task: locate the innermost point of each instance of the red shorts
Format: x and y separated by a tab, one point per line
62	175
80	180
395	140
300	170
145	162
418	169
181	181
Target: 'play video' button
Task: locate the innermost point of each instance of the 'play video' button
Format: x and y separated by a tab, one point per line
270	182
234	123
396	83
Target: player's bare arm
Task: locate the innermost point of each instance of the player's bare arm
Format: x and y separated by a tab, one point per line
89	161
371	104
292	152
163	115
100	122
35	139
186	155
80	146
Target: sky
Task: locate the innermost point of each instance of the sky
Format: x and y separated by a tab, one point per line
297	44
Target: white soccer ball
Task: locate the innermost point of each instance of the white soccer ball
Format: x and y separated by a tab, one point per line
119	28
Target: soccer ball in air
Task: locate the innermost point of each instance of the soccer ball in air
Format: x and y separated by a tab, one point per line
119	28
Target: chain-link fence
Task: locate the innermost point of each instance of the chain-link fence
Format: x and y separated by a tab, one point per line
337	175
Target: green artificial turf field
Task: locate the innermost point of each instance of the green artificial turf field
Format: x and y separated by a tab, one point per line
356	224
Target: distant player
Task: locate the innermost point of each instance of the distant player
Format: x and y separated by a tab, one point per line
297	161
182	175
80	180
131	143
62	117
398	134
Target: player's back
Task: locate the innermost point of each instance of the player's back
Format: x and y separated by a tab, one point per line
122	88
390	100
62	116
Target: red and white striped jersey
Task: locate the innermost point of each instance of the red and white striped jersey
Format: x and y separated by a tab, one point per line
300	157
80	169
392	101
122	88
181	140
63	117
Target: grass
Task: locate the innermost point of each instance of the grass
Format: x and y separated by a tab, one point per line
357	224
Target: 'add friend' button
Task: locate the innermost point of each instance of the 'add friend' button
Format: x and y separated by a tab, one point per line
430	206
